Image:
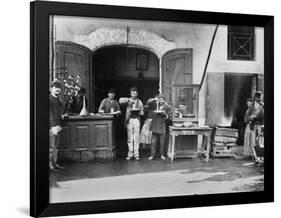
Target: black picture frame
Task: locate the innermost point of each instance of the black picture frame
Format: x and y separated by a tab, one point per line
39	134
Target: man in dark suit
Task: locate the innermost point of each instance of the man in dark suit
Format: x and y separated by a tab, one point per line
160	115
56	109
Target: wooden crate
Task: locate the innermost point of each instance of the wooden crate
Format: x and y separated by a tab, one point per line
227	132
226	151
225	139
223	142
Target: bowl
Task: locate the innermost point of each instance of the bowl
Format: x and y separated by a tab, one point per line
187	124
178	124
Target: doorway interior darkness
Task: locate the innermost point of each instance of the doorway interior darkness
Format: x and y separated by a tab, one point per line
122	67
238	88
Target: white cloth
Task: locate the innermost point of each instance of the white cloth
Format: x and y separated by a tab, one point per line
250	139
248	150
133	133
55	130
146	134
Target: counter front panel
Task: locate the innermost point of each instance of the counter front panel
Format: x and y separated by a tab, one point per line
87	138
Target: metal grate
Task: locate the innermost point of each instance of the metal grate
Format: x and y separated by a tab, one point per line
240	46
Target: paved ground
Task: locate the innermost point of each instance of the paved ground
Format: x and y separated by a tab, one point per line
136	179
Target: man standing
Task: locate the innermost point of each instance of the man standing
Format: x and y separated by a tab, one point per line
110	105
134	110
255	119
158	124
56	109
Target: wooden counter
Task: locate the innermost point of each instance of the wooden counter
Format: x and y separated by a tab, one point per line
88	138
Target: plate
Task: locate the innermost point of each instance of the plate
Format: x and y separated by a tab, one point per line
136	109
188	124
158	112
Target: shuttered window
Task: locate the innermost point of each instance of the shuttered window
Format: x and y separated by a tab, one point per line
241	43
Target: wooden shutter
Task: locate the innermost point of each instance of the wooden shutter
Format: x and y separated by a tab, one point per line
215	98
77	60
176	69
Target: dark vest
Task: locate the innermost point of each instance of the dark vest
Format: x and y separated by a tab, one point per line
56	109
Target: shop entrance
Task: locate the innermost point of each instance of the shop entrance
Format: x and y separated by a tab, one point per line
122	67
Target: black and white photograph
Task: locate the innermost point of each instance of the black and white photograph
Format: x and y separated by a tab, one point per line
141	108
145	109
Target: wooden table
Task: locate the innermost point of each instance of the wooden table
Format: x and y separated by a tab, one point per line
180	131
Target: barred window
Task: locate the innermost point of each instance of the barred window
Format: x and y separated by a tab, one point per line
241	41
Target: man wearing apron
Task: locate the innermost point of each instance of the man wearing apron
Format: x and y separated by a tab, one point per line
134	110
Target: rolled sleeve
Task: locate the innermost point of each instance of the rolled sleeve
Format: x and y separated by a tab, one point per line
141	108
102	105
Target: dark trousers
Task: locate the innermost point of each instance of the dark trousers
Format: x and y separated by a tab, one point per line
53	150
155	138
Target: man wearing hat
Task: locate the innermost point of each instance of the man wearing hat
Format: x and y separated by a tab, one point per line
109	104
257	110
255	118
56	109
158	124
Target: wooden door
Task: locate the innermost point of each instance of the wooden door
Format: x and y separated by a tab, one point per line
76	60
176	69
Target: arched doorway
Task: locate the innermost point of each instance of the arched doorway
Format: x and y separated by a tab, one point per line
122	67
